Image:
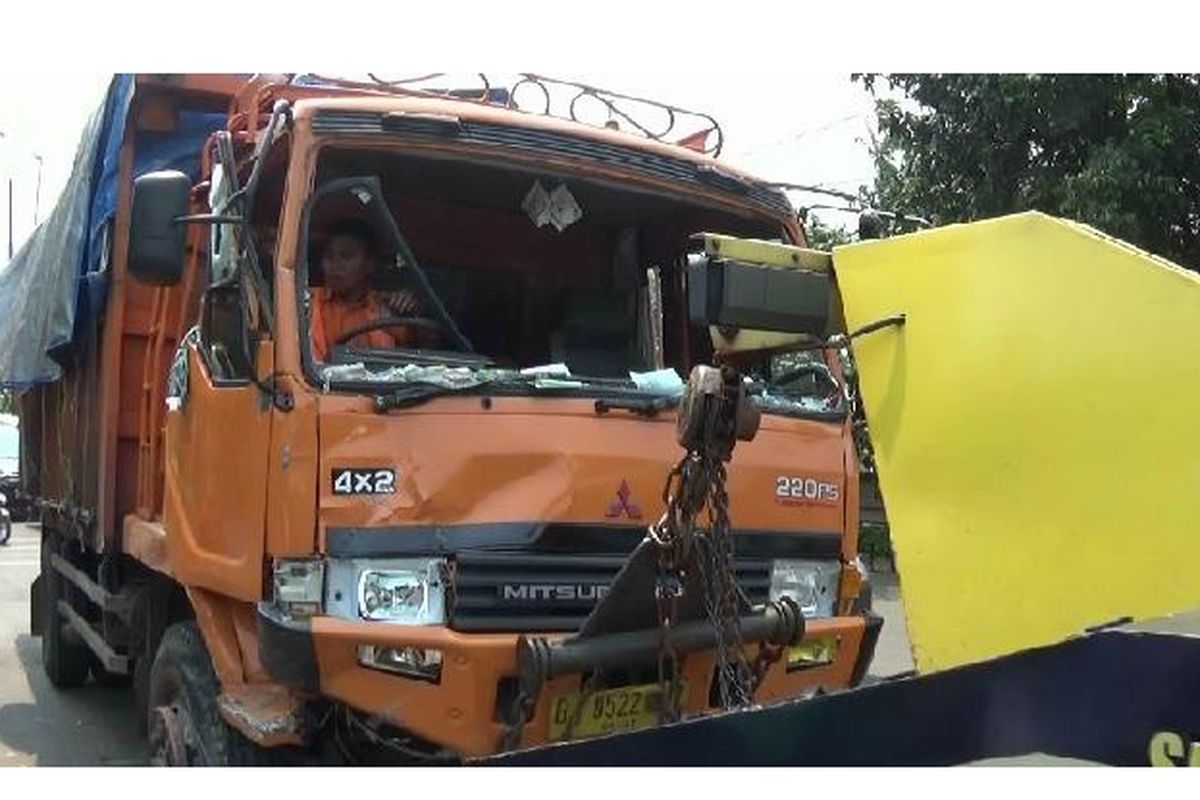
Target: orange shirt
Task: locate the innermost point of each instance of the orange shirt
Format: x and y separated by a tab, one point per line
333	316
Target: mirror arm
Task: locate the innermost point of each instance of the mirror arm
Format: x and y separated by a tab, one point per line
279	115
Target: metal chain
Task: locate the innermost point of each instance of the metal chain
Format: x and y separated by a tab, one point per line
695	484
721	598
698	483
520	711
768	656
672	534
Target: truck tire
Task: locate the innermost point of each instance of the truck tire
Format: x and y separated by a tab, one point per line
65	656
183	723
185	728
141	691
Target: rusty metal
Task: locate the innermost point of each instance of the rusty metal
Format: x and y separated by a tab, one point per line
267	715
668	589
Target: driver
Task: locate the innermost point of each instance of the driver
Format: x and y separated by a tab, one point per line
346	301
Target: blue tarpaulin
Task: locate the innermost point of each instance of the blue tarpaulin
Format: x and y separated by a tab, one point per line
53	291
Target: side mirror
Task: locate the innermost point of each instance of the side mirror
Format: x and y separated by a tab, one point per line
157	243
871	226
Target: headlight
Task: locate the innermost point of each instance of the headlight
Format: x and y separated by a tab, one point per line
406	591
813	585
298	585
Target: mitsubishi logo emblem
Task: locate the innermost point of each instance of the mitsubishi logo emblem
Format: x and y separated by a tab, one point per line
624	503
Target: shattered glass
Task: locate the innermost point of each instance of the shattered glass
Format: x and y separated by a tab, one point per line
792	404
548	377
435	375
177	377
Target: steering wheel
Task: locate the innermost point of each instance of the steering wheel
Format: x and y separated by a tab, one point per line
392	322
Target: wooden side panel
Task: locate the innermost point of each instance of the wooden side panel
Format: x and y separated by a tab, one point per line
61	432
112	345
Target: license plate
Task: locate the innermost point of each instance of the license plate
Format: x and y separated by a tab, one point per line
626	709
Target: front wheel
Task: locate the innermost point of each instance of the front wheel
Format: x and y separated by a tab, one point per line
184	726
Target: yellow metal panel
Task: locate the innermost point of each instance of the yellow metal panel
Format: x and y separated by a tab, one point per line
1037	428
759	251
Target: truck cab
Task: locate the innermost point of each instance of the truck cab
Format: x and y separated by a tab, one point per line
368	532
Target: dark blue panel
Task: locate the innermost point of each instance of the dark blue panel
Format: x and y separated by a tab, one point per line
178	149
1097	698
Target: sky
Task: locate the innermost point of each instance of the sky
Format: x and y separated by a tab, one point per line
810	129
33	127
776	74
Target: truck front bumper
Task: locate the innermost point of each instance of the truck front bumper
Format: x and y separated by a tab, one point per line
465	709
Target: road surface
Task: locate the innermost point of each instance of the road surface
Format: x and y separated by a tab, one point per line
94	726
41	725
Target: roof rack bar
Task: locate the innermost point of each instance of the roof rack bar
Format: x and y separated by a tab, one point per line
618	105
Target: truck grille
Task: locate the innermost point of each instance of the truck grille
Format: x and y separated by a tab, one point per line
517	592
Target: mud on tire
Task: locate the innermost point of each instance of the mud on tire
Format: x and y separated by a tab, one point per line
183	690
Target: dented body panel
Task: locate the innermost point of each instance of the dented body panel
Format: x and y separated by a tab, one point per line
462	710
556	460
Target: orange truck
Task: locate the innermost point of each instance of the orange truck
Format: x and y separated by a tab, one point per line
348	555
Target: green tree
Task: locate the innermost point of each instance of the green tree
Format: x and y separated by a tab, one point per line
8	403
1119	152
825	237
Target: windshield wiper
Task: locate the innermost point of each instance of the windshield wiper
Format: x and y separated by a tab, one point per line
644	407
433	358
416	394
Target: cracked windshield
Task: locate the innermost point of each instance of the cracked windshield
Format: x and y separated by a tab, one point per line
545	283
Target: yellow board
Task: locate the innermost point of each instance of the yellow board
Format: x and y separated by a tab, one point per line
1036	424
759	251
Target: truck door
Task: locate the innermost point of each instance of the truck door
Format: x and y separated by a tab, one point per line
217	446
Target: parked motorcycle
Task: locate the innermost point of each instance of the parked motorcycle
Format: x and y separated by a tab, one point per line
5	520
